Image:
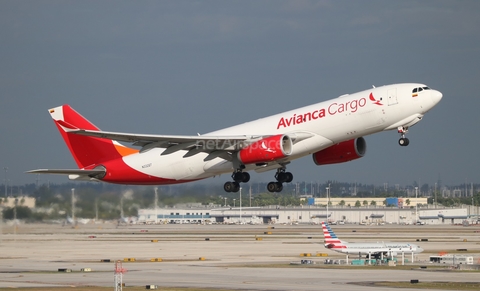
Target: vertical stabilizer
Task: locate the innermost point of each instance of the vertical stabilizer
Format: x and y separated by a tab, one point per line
87	151
329	235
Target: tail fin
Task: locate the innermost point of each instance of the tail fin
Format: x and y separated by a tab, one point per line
87	151
329	235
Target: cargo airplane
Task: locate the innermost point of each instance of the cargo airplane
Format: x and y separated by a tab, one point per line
330	131
373	249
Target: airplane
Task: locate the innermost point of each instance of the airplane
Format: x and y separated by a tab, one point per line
70	220
376	250
330	131
127	220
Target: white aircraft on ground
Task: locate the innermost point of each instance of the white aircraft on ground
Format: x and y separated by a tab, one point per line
70	220
331	131
376	250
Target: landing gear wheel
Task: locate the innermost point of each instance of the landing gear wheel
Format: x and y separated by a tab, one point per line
275	187
246	177
279	187
289	177
228	186
241	177
272	187
281	177
236	187
403	141
237	177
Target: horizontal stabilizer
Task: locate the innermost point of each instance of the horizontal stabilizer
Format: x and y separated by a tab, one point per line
89	173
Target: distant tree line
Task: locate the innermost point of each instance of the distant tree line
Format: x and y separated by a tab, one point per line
108	201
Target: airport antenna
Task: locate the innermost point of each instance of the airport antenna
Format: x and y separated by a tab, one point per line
118	277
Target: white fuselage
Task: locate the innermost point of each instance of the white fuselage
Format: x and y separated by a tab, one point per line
330	122
390	248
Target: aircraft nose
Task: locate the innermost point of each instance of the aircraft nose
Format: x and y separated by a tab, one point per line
436	96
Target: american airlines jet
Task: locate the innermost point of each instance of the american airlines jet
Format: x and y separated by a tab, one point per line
373	249
330	131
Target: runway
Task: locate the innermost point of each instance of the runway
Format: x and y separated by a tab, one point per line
236	257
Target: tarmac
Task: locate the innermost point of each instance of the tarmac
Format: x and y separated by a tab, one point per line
236	257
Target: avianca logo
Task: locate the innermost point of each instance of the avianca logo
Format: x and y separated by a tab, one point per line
332	109
267	149
377	102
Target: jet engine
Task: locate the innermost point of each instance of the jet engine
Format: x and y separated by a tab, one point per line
266	150
341	152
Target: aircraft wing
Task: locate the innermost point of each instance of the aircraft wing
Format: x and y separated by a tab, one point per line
148	141
173	143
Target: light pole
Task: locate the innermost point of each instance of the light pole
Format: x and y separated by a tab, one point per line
234	202
73	206
6	169
416	205
240	205
250	193
328	190
15	219
225	201
156	200
96	209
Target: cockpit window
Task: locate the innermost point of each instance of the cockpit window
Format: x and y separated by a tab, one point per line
420	89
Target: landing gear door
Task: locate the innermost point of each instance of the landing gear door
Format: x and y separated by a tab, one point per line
392	97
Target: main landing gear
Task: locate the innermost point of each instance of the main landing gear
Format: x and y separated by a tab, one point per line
243	177
403	141
281	176
238	177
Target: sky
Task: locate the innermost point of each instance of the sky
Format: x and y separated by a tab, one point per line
188	67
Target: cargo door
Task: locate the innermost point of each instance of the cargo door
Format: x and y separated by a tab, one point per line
392	96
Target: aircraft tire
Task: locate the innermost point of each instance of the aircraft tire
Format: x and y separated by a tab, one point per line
279	187
246	177
228	186
272	187
236	186
238	177
289	177
281	177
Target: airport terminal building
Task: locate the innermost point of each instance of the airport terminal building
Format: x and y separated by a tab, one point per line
307	215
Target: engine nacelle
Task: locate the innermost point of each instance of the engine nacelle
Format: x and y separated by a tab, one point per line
266	150
341	152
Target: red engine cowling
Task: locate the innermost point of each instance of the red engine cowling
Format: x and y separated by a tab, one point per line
341	152
266	150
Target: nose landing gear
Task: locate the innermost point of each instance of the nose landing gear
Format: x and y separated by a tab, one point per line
403	141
